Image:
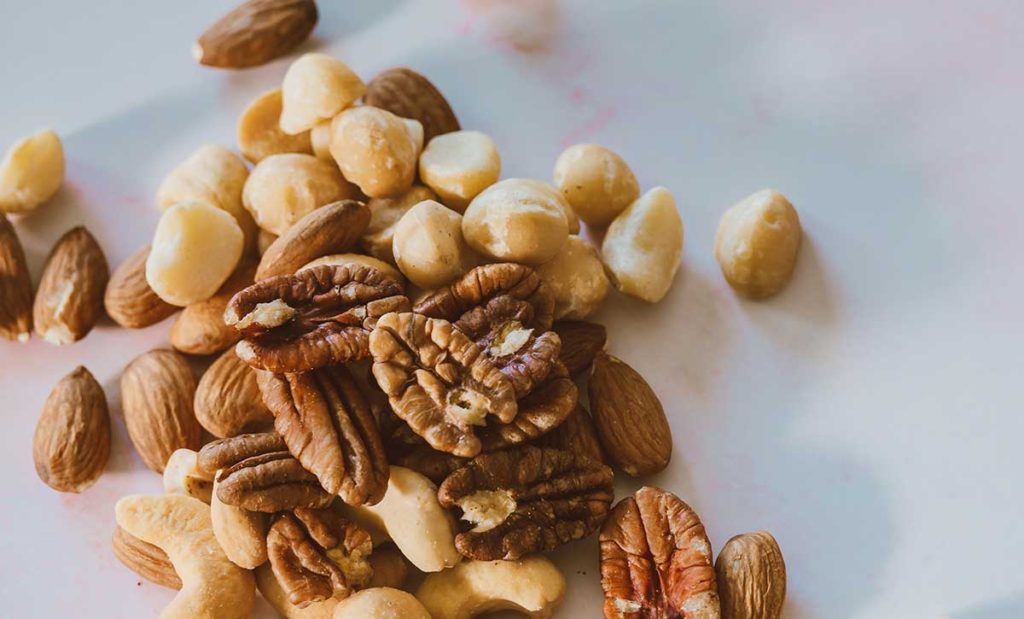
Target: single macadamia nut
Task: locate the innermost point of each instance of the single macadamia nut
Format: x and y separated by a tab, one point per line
369	261
575	278
380	603
596	181
320	139
415	133
459	165
375	150
642	247
315	88
260	134
384	214
757	244
282	189
429	247
31	172
517	220
195	248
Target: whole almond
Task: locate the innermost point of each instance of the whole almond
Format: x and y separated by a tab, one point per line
144	559
228	400
200	328
331	229
581	341
15	286
256	32
751	577
406	93
157	390
72	438
69	300
630	420
129	300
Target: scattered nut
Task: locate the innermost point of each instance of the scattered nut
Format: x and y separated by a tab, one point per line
581	341
129	300
406	93
144	559
69	300
532	586
182	475
389	568
381	603
329	229
642	247
315	88
375	150
751	577
282	189
415	130
576	434
544	409
276	596
31	172
384	215
757	244
517	220
428	245
15	286
255	32
228	401
200	328
259	131
596	182
357	260
575	277
242	534
459	165
320	140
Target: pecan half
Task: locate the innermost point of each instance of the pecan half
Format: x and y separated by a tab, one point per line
546	408
526	500
425	460
327	424
316	317
576	434
656	560
438	381
317	554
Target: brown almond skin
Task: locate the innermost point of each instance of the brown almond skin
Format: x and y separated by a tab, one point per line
629	417
157	390
331	229
408	94
15	286
129	300
144	559
751	577
228	400
200	328
72	438
69	300
581	341
256	32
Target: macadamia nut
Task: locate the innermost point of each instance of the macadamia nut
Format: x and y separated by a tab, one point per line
596	182
459	165
757	244
282	189
532	586
320	139
31	172
369	261
517	220
380	603
576	279
642	247
195	248
375	150
315	88
384	214
415	134
259	130
428	245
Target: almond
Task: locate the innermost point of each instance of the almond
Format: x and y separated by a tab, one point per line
330	229
751	577
157	390
129	300
69	300
200	328
256	32
15	286
228	400
630	420
406	93
72	439
144	559
581	341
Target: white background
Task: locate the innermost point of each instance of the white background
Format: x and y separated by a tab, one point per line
870	416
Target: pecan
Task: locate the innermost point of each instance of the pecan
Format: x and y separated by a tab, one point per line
317	554
327	424
438	381
486	282
316	317
656	560
546	408
425	460
576	434
526	500
227	452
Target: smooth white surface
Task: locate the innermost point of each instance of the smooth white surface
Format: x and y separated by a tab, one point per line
869	416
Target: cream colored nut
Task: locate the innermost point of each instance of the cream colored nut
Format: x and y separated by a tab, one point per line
422	529
316	87
642	247
276	597
459	165
517	220
259	131
575	277
195	248
757	244
370	261
320	138
264	240
182	476
532	586
242	534
212	587
31	172
596	182
282	189
428	245
384	214
375	150
415	130
380	603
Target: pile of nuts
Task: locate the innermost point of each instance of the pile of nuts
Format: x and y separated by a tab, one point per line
401	336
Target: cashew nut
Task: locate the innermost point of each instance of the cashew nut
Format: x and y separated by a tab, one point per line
242	534
182	476
532	586
380	603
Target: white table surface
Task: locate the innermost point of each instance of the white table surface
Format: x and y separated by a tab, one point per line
870	416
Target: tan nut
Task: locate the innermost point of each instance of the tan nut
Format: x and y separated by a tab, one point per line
199	329
381	603
331	228
260	134
757	244
242	534
182	475
428	245
264	240
575	278
228	400
370	261
751	576
642	248
415	130
375	150
69	299
320	140
282	189
532	586
517	220
378	239
315	88
31	172
459	165
596	182
129	300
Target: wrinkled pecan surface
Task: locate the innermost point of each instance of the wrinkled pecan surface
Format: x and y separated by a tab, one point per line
546	408
576	434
